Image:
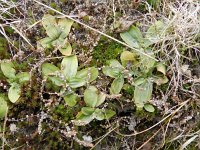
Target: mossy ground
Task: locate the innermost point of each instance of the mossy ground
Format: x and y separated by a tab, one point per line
26	114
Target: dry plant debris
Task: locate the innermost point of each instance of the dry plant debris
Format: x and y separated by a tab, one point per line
100	74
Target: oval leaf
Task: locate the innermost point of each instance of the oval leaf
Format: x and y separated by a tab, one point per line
65	26
7	68
117	85
161	68
142	93
146	62
14	92
3	107
160	80
77	82
131	41
149	108
66	49
69	66
88	73
115	64
23	77
109	113
46	42
71	99
139	81
101	99
49	69
56	80
112	72
127	56
99	114
156	32
82	119
136	34
48	20
49	23
87	111
91	96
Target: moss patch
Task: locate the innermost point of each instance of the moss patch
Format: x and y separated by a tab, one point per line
106	50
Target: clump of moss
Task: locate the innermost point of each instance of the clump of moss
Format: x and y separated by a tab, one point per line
60	112
106	50
3	48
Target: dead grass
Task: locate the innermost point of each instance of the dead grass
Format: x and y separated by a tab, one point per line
179	49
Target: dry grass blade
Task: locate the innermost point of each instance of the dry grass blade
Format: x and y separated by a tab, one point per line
189	141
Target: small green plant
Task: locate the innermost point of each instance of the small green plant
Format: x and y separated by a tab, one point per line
138	69
93	98
68	77
57	31
16	80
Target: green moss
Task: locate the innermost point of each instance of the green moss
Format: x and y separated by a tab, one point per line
128	89
53	5
22	66
106	50
61	112
9	30
3	48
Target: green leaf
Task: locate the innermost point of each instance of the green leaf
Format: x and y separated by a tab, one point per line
49	69
3	107
161	68
99	114
48	20
101	99
115	64
160	80
49	23
88	74
56	80
109	113
65	26
142	93
126	57
156	32
117	85
82	119
59	42
91	96
147	62
77	82
23	77
87	111
71	99
149	108
14	92
66	49
136	33
146	43
7	68
69	66
129	39
46	42
139	81
112	72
